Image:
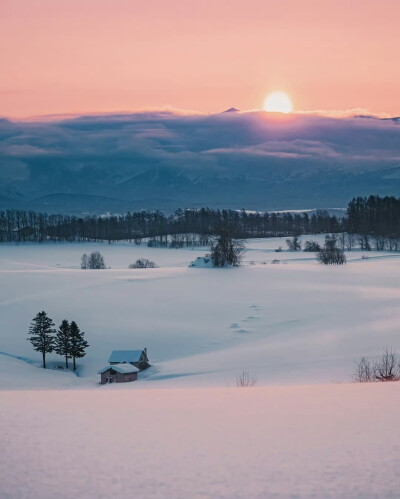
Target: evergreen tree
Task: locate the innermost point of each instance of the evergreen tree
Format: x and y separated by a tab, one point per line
42	335
78	344
62	341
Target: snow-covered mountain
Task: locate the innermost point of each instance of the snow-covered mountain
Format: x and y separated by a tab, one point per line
251	160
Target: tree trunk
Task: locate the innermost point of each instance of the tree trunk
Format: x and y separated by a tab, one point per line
44	360
74	364
66	361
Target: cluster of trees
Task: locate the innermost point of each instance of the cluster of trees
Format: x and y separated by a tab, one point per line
143	263
67	341
225	250
385	368
330	254
185	227
374	216
94	261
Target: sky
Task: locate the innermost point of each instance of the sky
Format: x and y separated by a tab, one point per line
88	56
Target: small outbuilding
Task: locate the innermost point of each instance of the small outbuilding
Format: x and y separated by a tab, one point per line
118	373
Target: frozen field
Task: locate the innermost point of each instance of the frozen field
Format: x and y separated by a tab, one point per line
290	323
185	431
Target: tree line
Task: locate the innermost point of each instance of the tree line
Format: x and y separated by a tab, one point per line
375	218
183	228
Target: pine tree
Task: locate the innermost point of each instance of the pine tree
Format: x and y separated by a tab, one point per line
62	344
42	335
77	342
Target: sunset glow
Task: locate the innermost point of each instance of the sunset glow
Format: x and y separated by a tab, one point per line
278	102
94	56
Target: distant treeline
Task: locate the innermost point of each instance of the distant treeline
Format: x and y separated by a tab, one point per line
184	226
373	216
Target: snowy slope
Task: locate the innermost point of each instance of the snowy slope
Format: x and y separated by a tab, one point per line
292	323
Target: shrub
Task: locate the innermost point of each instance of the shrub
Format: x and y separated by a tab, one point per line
330	254
143	263
386	368
293	244
331	257
245	379
312	247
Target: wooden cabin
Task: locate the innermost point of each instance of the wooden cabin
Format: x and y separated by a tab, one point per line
137	358
118	373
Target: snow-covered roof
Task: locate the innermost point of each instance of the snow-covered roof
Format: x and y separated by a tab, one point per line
120	368
125	356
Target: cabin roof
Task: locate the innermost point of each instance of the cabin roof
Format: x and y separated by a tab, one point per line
125	356
120	368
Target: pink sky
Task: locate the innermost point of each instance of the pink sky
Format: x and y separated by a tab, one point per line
77	56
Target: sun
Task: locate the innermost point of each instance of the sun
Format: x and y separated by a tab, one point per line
278	102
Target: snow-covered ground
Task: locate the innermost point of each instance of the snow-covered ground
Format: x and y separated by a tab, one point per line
293	322
319	442
184	430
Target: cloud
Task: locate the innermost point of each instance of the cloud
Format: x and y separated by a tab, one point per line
296	148
106	154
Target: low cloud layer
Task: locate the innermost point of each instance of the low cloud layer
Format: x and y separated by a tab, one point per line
103	154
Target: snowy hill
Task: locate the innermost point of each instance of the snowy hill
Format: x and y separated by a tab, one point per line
293	321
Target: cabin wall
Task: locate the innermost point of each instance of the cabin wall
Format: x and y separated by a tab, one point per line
118	377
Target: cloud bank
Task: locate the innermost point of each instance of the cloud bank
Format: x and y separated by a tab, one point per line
190	157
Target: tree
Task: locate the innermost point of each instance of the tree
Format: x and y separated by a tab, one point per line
225	250
143	263
386	368
312	247
42	333
77	343
293	244
330	254
62	344
84	261
364	371
94	261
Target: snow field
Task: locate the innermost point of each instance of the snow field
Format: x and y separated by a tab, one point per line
319	442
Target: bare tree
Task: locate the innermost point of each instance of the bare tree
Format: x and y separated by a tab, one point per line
364	371
342	240
364	242
245	379
386	368
225	250
350	241
293	244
